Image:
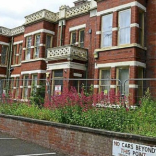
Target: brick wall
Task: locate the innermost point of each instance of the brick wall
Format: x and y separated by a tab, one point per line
69	139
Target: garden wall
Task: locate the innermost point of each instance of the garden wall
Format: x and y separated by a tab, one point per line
76	140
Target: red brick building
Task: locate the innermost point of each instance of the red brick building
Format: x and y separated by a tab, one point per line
97	39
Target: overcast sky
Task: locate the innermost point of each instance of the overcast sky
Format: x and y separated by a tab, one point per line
12	12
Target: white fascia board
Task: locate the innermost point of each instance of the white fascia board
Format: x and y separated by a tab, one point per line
124	6
2	75
77	27
96	86
66	65
133	86
15	75
39	31
98	32
77	75
33	72
134	25
120	64
4	43
18	42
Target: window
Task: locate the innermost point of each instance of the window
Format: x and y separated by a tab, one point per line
107	21
141	28
73	38
123	75
37	46
34	83
105	84
124	26
17	87
81	38
20	53
28	48
57	82
4	54
14	56
49	40
25	86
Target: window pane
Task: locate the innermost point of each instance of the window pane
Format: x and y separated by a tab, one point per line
81	38
105	84
37	40
28	50
124	26
107	30
29	42
107	22
73	37
14	57
124	19
123	76
4	54
28	54
124	35
58	73
20	53
57	83
48	41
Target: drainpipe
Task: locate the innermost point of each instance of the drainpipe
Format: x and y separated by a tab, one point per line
61	35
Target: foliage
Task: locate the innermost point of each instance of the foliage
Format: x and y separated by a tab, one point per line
37	95
78	109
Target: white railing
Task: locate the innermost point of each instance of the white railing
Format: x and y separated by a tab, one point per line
67	52
42	14
84	8
11	32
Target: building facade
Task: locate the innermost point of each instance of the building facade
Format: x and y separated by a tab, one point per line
97	39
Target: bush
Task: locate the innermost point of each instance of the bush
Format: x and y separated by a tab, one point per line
77	109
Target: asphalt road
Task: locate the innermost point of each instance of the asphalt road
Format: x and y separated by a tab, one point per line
10	146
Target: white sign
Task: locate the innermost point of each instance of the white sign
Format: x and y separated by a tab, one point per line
57	89
121	148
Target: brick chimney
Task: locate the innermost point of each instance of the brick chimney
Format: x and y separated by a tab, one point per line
79	2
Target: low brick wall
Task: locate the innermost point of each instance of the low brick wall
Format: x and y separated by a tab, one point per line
69	139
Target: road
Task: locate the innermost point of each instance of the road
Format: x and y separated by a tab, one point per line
10	146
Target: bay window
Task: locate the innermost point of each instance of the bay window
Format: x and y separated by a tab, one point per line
106	40
124	26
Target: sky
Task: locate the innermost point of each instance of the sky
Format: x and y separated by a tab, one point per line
13	12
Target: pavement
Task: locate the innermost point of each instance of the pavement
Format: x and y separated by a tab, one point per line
10	146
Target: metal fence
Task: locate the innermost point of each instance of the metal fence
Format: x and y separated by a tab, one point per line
23	89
